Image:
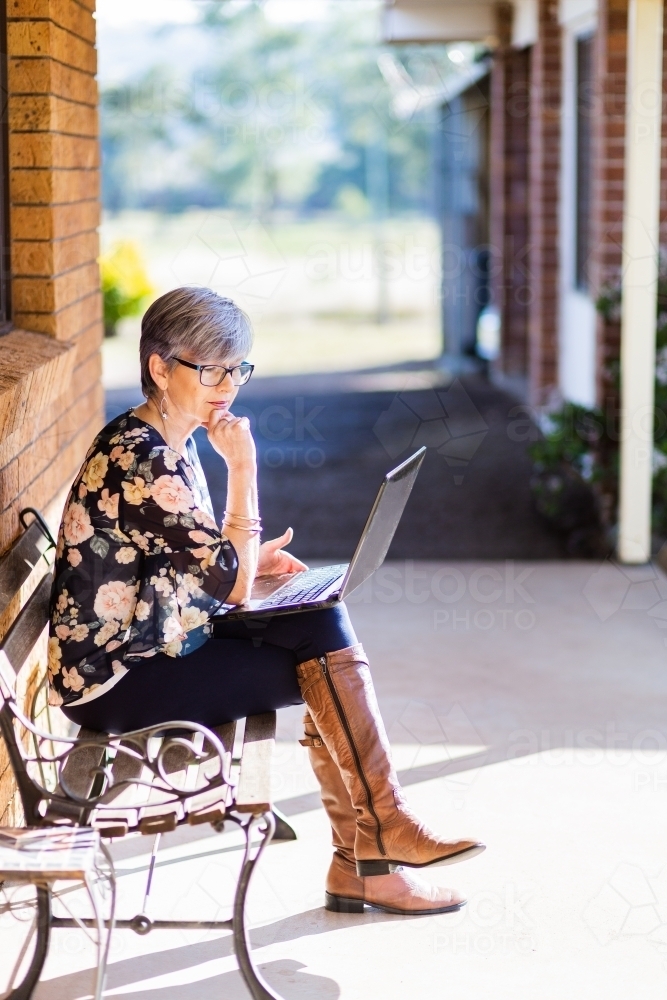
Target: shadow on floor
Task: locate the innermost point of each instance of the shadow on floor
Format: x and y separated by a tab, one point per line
286	976
325	442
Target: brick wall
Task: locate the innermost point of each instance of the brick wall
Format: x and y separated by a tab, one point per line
543	197
531	333
610	160
663	179
509	206
51	401
609	171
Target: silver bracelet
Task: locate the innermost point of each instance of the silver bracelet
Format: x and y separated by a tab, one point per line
256	530
242	517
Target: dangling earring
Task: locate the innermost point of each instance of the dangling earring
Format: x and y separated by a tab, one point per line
163	412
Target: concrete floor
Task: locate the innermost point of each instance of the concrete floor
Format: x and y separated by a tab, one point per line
526	704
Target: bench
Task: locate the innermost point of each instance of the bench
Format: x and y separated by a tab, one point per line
32	861
149	781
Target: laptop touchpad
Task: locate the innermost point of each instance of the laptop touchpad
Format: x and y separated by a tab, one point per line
265	586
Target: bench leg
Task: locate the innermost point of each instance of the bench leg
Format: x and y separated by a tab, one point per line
106	868
26	988
259	988
283	829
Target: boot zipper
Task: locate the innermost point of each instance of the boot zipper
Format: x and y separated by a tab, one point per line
355	753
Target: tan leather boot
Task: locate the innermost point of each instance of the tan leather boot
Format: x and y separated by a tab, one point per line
338	691
398	892
347	892
335	796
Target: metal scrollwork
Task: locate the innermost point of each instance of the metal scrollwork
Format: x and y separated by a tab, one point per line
181	770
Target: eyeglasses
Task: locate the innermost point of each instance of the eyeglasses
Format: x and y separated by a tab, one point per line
212	375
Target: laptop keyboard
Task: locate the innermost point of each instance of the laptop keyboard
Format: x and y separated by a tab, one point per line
307	587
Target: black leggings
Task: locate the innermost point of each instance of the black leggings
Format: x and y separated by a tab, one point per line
246	667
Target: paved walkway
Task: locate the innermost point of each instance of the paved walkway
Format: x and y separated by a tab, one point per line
526	705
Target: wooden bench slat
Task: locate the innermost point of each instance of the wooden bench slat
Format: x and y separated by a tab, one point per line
208	798
29	624
253	792
226	734
176	758
114	822
59	854
259	728
18	563
81	763
125	767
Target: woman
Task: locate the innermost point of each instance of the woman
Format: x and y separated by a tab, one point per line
142	567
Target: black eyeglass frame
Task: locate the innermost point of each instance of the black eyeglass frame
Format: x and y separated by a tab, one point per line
228	371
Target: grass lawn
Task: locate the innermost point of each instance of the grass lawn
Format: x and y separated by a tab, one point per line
324	294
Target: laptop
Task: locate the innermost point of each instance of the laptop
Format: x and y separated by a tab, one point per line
327	585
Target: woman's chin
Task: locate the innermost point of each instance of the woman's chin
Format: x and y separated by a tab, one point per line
210	417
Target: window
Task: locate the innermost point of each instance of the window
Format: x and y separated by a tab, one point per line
584	160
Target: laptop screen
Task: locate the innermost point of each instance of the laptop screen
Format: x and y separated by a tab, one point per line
382	523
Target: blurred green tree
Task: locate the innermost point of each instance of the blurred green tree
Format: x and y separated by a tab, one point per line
280	116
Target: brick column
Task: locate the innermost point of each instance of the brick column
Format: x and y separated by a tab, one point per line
608	177
663	178
510	117
544	171
51	399
54	214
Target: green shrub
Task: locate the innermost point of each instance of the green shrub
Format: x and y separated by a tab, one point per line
125	284
571	477
580	445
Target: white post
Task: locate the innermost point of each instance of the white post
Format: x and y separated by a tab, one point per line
640	276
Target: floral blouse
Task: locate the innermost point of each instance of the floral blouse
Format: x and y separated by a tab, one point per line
141	565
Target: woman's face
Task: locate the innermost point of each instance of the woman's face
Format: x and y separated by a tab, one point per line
192	401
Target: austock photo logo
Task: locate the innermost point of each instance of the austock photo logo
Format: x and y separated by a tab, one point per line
614	588
288	435
237	260
430	741
494	922
445	420
632	904
481	599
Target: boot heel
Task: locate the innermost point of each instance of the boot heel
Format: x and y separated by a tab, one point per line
342	904
365	868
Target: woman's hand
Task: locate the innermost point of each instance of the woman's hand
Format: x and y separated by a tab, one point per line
230	436
273	560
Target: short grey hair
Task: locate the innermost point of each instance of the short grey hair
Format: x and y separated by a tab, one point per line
197	320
